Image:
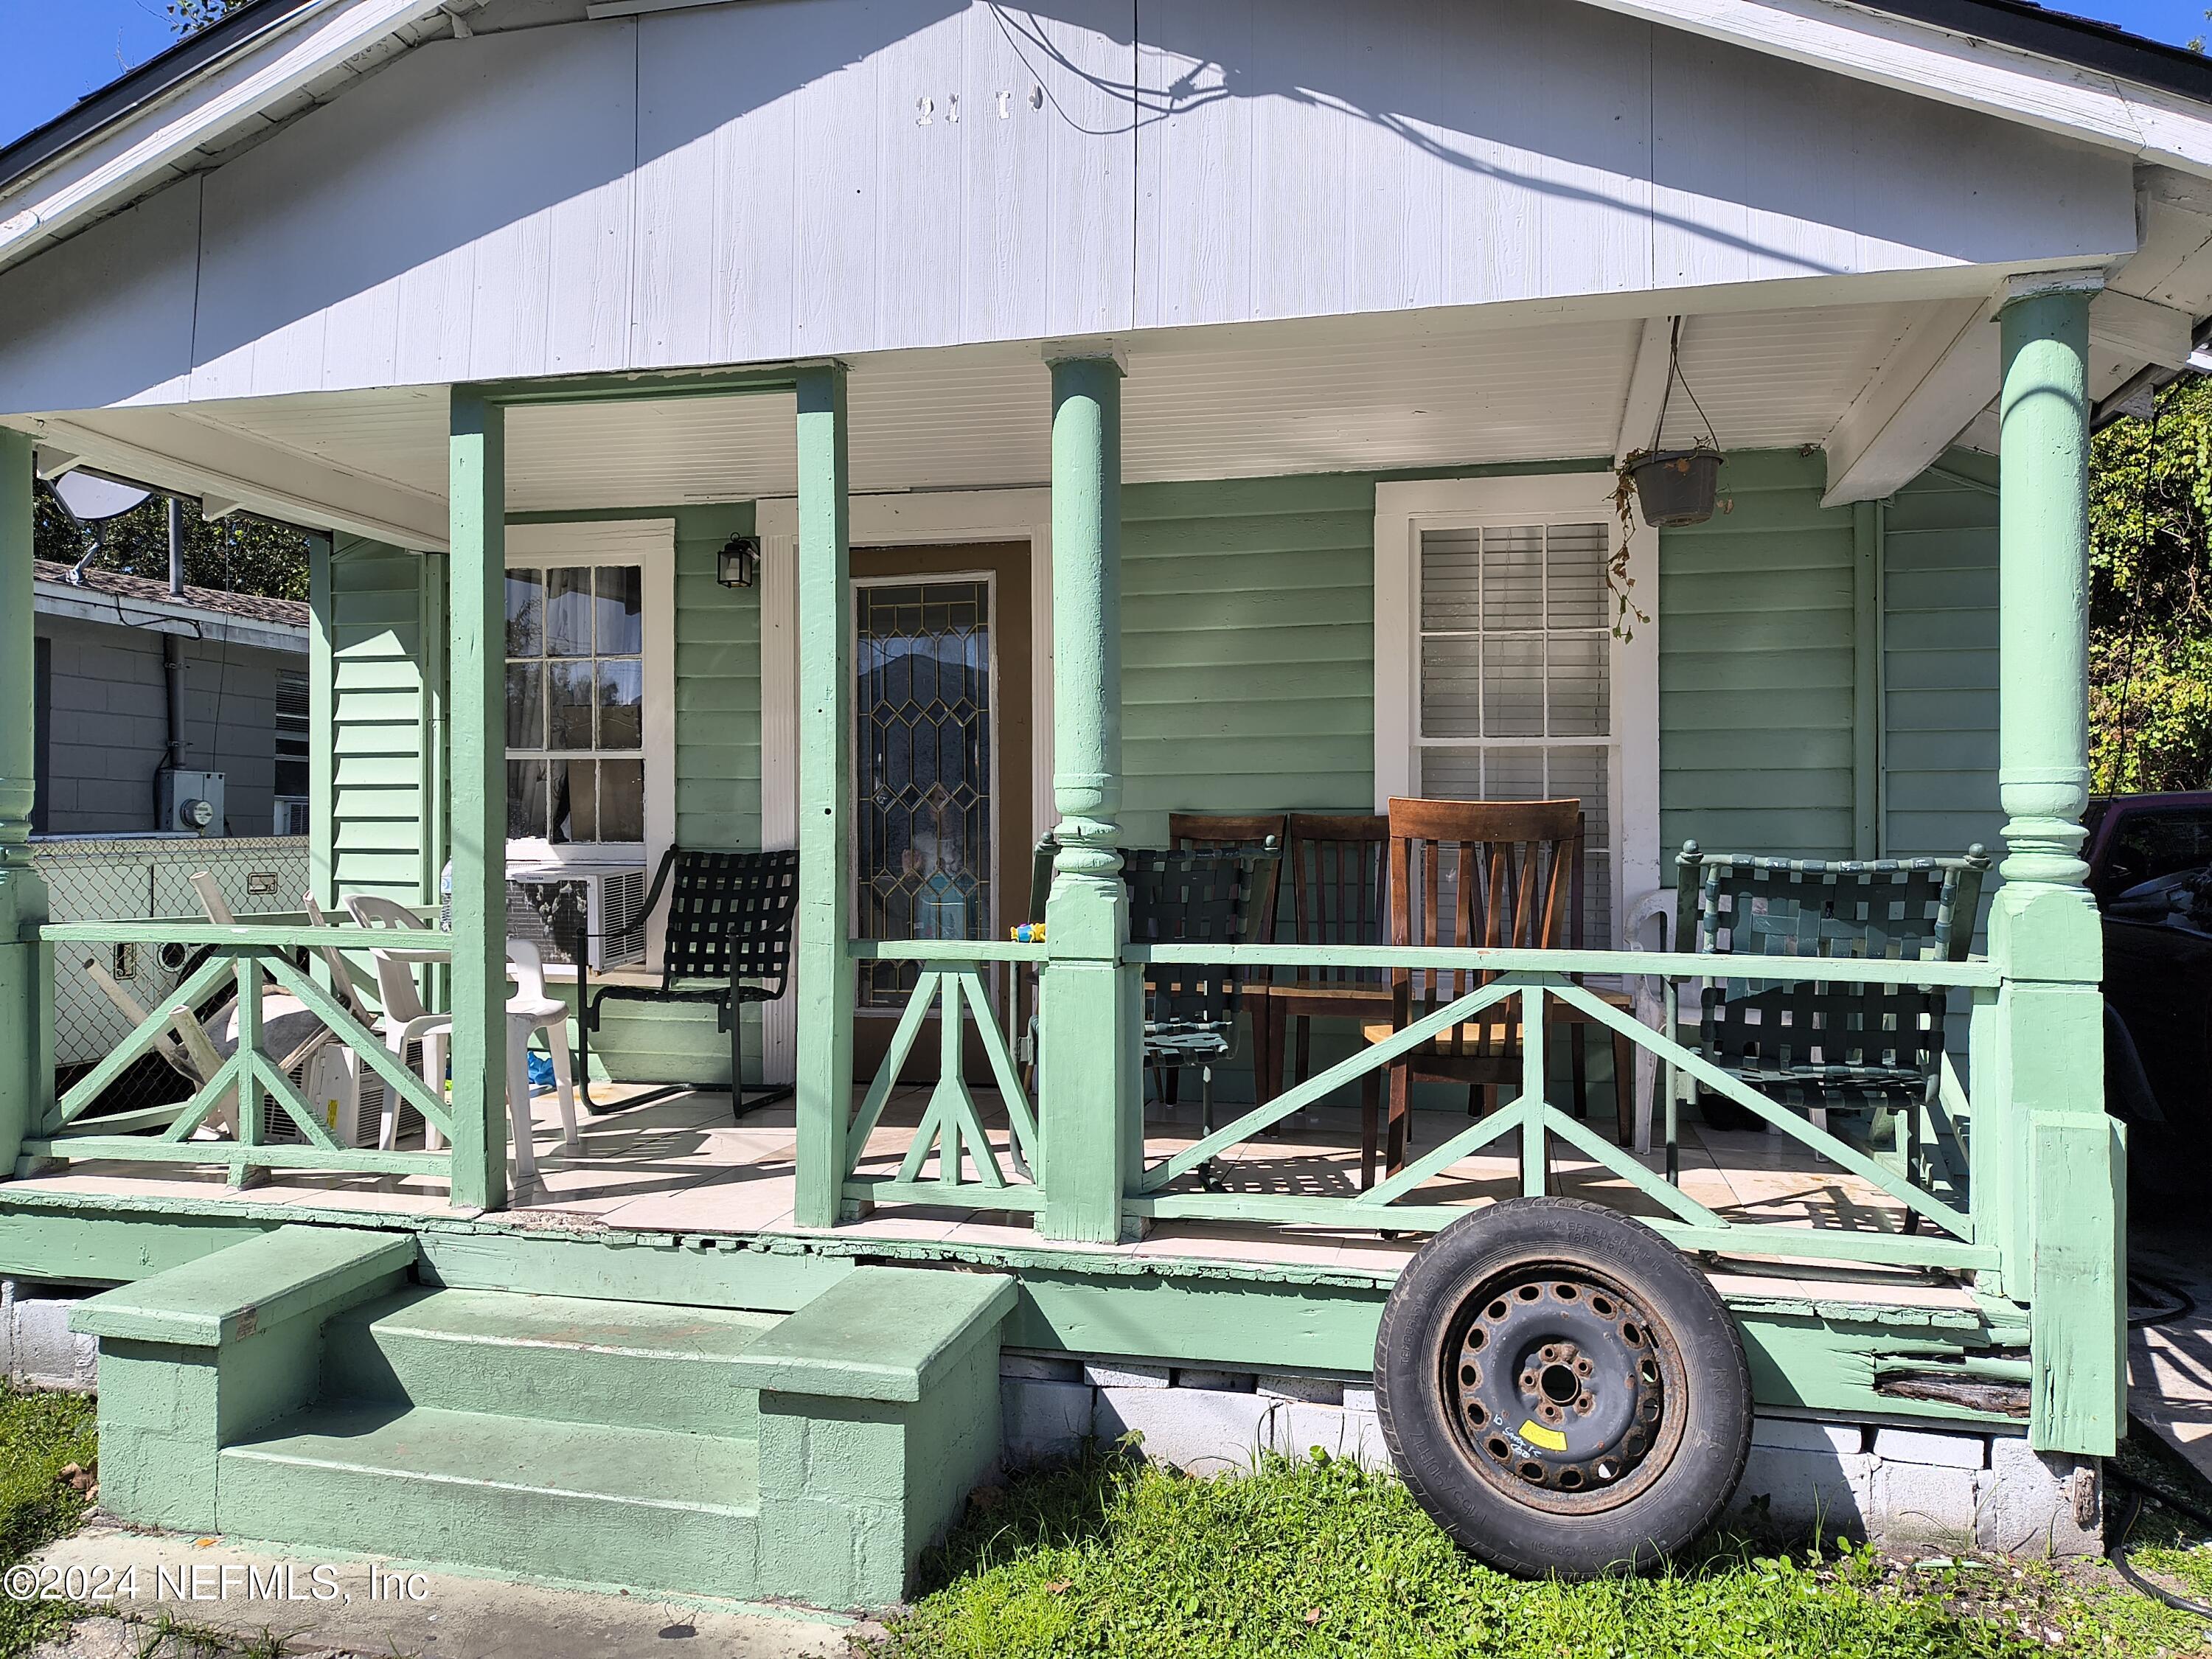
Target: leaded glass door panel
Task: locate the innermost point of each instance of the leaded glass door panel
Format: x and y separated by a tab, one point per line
942	765
924	766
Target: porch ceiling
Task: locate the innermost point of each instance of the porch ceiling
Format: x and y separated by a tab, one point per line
1403	390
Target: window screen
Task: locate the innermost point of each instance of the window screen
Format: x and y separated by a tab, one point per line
1515	689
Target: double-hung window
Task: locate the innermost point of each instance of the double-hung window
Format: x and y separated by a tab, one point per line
591	695
1498	677
575	702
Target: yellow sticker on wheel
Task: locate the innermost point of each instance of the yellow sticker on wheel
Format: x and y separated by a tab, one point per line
1537	1435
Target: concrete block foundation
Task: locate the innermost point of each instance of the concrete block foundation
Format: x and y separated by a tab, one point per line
38	1350
1906	1487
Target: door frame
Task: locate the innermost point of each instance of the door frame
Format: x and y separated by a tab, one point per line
1007	860
913	519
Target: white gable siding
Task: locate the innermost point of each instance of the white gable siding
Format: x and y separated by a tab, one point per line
806	177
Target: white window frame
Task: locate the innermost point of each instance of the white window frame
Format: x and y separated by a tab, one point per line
1402	512
649	543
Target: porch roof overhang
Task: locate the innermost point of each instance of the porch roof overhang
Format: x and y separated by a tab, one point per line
1884	385
238	348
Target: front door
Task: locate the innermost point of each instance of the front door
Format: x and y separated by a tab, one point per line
941	761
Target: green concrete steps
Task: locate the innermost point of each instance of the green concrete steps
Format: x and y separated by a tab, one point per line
590	1502
297	1388
562	1359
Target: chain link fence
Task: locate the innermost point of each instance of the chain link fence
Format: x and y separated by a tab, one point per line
138	878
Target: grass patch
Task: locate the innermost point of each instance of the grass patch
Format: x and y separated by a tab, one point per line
1319	1557
39	1435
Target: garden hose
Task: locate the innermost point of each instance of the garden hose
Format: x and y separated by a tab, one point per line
2116	1552
2179	1304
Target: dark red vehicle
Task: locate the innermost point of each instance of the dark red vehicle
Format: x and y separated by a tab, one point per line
2150	867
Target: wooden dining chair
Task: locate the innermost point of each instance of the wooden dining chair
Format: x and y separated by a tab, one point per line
1249	832
1339	895
1497	874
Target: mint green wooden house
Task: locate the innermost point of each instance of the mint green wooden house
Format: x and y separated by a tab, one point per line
1216	412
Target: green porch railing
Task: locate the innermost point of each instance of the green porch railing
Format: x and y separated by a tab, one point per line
1534	979
952	982
249	955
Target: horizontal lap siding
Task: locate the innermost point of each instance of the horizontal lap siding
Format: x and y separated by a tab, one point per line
374	639
1755	667
1247	648
718	704
1940	661
718	789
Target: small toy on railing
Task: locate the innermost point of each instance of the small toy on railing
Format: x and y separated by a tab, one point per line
1027	932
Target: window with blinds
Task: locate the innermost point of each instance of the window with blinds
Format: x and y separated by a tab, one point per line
295	734
1516	698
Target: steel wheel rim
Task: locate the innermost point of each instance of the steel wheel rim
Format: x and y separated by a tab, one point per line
1564	1394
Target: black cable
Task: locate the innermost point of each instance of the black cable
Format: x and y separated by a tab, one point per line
2116	1551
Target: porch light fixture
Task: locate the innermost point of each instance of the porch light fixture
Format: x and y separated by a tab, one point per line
738	565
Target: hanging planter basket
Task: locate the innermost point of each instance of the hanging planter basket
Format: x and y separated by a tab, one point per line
1677	487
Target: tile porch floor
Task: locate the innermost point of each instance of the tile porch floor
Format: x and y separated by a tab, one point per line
681	1166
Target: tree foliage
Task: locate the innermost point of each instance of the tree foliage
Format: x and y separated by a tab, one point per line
2150	596
238	555
185	16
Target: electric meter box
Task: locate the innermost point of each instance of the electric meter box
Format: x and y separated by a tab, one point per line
190	802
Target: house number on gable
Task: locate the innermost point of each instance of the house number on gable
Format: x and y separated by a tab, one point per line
924	106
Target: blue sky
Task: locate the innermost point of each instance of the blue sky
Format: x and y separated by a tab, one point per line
57	50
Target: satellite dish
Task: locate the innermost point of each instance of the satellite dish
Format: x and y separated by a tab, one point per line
92	498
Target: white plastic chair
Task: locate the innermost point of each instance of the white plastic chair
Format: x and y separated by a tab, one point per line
275	1004
196	1057
342	985
405	1020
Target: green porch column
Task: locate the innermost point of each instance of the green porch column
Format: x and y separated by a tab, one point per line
826	974
477	664
1090	1008
26	1026
2051	1167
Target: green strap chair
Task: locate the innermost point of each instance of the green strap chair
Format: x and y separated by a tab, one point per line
1874	1050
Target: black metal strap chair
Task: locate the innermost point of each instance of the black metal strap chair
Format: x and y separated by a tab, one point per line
1873	1049
1190	1008
727	941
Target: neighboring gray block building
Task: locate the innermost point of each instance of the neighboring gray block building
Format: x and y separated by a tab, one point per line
102	701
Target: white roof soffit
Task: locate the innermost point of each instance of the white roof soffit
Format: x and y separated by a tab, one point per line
1970	73
122	161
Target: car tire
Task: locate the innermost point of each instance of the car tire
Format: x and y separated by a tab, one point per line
1561	1390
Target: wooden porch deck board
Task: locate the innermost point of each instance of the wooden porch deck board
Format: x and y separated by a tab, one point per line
679	1165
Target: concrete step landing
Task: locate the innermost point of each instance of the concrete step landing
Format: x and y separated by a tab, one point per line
302	1389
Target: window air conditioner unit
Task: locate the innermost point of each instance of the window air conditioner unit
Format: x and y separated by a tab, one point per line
340	1090
558	908
291	816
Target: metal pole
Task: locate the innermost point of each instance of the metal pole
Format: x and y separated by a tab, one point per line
176	548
